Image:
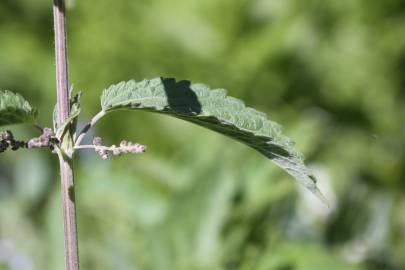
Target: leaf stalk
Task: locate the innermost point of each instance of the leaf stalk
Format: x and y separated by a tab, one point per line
88	126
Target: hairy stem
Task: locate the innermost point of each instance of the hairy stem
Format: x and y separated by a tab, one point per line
65	161
88	126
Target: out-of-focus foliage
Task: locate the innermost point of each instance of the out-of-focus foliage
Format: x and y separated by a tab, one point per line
332	72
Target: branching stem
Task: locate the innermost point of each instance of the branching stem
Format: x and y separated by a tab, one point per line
125	147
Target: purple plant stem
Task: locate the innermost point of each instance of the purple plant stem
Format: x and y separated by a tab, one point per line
66	168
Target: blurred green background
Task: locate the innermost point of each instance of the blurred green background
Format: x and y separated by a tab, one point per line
331	72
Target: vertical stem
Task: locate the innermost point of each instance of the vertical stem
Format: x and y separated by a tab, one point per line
69	213
59	15
66	168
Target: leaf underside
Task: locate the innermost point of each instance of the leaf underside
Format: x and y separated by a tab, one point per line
214	110
14	109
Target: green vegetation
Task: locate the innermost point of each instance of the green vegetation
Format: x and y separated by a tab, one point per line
14	109
331	71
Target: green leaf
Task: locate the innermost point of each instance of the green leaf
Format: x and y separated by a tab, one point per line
74	113
71	119
214	110
14	109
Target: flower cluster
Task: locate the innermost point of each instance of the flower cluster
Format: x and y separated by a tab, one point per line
125	147
7	140
47	139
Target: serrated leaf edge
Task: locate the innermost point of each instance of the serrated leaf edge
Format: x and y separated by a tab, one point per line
293	164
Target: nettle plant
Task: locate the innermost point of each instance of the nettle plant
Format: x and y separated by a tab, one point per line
195	103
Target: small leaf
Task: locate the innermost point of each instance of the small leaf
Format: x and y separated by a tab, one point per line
214	110
14	109
74	113
55	110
